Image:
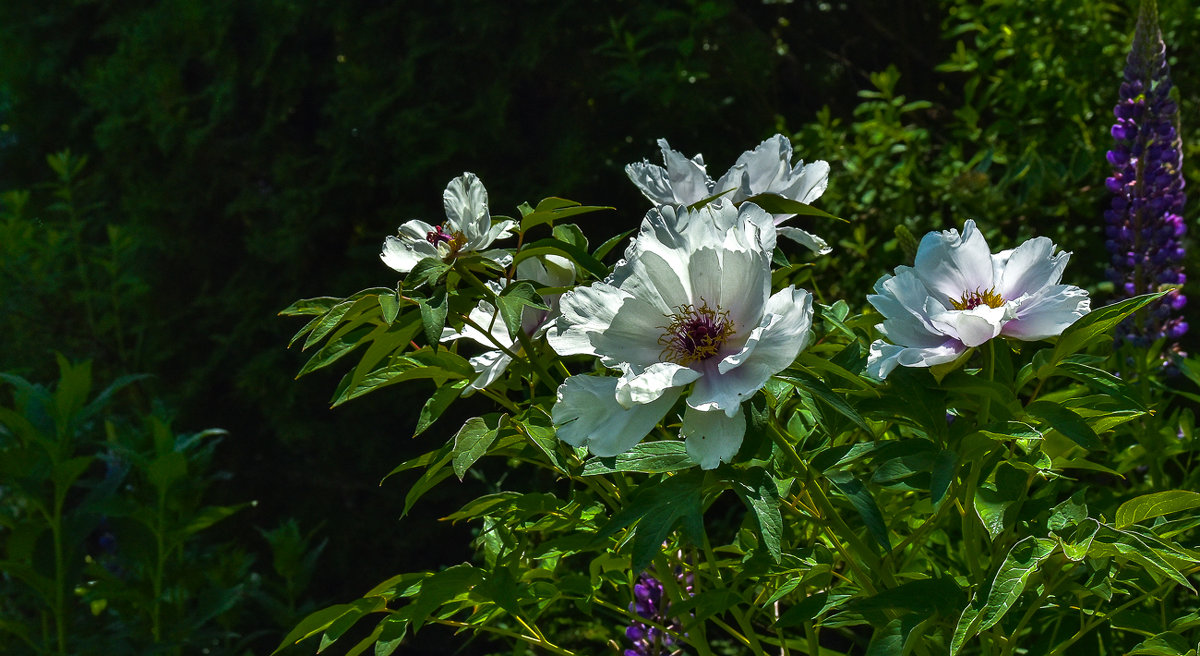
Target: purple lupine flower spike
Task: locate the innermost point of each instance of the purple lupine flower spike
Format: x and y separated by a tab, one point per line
650	603
1145	227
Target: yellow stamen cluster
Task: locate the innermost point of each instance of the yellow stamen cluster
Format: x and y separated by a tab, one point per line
972	300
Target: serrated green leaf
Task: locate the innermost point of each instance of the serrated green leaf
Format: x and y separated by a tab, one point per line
1157	504
760	494
428	271
645	457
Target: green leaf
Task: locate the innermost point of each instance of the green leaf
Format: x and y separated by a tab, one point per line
1067	422
924	596
552	209
1097	324
310	306
609	244
657	509
558	247
646	457
166	469
758	491
513	301
313	624
997	499
1149	506
395	626
776	204
823	393
389	305
471	442
440	588
337	346
1022	560
441	399
433	316
864	503
428	271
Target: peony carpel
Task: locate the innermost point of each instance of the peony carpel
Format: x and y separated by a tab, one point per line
689	306
958	295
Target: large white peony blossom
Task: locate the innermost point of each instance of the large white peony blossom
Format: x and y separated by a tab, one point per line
958	295
690	305
468	228
766	169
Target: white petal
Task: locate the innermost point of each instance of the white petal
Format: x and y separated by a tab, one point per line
1048	313
972	327
639	385
1028	268
653	182
885	357
466	204
756	171
902	299
772	346
497	230
500	256
485	316
587	413
951	265
402	253
805	239
808	182
689	181
489	365
602	320
712	437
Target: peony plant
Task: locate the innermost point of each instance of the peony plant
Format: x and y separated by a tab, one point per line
686	452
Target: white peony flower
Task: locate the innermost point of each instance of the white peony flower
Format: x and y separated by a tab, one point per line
766	169
547	270
958	295
468	228
690	304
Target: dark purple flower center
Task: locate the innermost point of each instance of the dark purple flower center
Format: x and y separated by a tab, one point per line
695	333
454	241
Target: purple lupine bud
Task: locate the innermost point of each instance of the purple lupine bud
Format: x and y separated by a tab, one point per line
1144	230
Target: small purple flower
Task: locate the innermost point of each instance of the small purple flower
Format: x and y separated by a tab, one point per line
650	603
1145	228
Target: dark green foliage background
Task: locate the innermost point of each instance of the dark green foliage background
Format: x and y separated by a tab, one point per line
252	153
